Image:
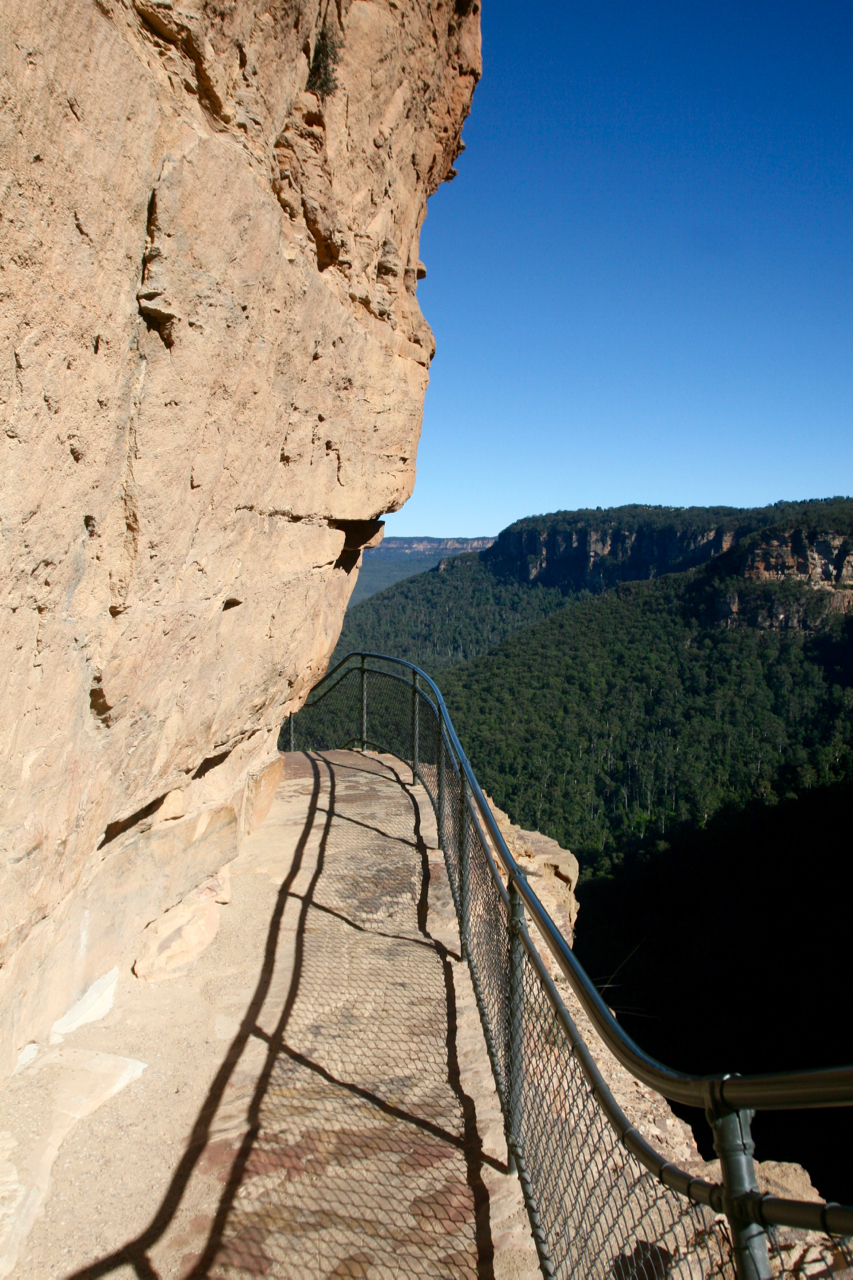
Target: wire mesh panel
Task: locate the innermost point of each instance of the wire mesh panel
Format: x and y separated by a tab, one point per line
594	1209
428	740
388	713
488	953
450	795
601	1213
330	717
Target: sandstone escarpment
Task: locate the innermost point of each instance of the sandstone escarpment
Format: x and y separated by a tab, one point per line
212	375
824	560
593	551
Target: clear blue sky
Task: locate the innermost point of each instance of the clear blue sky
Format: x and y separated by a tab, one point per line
640	282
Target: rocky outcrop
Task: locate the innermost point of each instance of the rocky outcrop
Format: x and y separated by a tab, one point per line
749	576
212	374
590	556
824	560
551	870
592	551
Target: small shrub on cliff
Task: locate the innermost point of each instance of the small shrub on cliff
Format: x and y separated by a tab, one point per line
327	51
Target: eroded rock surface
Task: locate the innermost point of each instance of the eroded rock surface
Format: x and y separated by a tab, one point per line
551	870
212	374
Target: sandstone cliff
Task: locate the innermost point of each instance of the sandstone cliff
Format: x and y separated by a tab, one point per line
212	375
594	550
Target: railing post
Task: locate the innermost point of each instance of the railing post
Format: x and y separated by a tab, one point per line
441	781
464	852
515	1037
733	1144
416	726
292	736
363	704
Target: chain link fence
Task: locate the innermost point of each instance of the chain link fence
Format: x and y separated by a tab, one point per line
595	1191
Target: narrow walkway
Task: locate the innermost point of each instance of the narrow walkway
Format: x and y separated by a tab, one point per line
361	1159
317	1100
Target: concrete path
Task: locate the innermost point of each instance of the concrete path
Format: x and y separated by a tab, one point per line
316	1099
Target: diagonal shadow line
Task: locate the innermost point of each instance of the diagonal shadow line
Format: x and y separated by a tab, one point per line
238	1168
379	831
387	1108
135	1251
375	933
383	765
475	1157
470	1143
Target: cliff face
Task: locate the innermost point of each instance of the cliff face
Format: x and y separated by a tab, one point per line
213	368
596	556
823	560
752	570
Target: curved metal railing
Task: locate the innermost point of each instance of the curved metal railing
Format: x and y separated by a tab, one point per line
601	1200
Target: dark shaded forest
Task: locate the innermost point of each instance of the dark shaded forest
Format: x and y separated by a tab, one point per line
730	951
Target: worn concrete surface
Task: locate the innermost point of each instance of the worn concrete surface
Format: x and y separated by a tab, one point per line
316	1098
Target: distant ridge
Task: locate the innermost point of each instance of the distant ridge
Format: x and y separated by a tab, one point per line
475	599
398	558
441	546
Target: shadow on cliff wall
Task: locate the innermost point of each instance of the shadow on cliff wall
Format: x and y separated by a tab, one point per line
731	952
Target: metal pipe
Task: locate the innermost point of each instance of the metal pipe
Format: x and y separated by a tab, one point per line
515	1036
464	868
416	725
441	781
363	702
733	1144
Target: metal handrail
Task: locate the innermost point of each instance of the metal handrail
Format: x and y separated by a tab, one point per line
728	1100
823	1087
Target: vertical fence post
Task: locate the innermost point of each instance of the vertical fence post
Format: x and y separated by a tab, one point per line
515	1038
363	703
416	726
733	1144
441	781
464	853
292	735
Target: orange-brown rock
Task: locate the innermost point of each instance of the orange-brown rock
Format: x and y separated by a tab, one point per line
551	870
212	374
824	561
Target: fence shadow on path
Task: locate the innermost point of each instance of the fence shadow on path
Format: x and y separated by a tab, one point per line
358	1153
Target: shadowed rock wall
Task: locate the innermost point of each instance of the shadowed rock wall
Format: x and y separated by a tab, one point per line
212	375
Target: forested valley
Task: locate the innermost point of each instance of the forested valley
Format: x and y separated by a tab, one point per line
618	676
622	717
670	695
